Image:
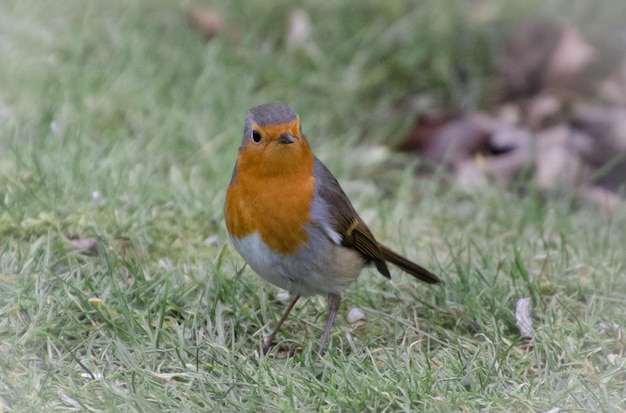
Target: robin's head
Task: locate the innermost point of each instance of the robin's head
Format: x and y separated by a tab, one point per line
272	141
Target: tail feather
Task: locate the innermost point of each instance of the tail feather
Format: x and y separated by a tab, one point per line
409	266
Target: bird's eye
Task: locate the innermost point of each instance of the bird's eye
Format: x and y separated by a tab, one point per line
256	136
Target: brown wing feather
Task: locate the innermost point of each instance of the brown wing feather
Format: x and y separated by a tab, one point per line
356	235
344	219
409	266
362	240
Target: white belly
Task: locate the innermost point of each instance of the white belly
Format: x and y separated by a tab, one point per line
320	267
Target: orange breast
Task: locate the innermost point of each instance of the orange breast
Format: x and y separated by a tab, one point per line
276	207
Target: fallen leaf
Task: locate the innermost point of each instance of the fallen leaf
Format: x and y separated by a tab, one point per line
88	245
569	60
607	125
459	138
527	53
207	21
607	151
167	377
469	176
425	129
506	167
607	200
557	163
543	110
522	318
299	29
613	88
506	138
122	246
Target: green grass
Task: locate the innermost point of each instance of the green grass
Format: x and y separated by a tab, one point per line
122	97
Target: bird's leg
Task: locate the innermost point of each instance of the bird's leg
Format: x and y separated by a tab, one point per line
333	303
268	342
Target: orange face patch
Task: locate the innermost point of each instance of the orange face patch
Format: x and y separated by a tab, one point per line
272	195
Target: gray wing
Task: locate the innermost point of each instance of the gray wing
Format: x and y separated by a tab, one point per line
335	213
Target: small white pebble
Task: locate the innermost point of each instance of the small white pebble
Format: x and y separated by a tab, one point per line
355	314
211	241
299	31
283	295
97	198
57	128
166	264
608	326
94	376
69	401
522	317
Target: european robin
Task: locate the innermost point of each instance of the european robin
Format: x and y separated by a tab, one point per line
292	223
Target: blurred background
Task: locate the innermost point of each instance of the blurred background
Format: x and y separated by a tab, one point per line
490	89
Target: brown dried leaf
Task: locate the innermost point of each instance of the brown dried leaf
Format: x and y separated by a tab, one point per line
425	129
613	89
608	201
474	173
207	21
506	138
458	139
606	125
542	110
527	54
507	166
122	246
469	176
88	245
571	57
509	113
607	150
558	165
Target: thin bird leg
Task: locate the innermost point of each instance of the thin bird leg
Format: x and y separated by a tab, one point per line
333	303
268	342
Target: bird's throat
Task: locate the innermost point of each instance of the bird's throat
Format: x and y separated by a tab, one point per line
277	207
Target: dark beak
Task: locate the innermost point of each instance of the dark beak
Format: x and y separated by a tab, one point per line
286	138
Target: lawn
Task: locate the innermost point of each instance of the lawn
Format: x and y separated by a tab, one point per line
119	125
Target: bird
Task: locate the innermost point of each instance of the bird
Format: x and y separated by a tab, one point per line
291	221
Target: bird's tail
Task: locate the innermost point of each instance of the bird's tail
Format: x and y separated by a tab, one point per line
409	266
